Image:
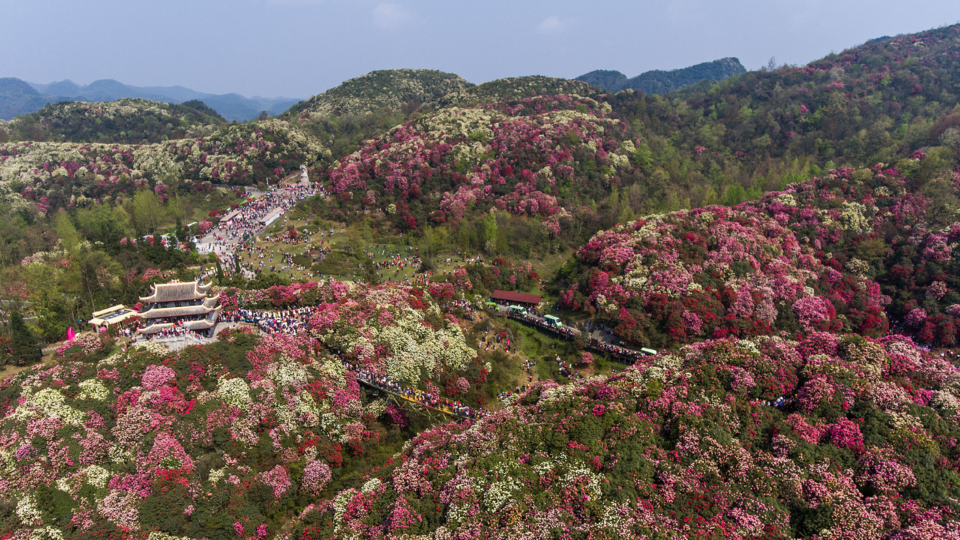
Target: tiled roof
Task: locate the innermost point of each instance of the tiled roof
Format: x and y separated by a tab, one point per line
170	292
508	296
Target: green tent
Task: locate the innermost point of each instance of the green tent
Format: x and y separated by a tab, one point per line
554	319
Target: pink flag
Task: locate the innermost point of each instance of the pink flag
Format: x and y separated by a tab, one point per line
70	334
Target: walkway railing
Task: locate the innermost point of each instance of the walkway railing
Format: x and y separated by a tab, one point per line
444	409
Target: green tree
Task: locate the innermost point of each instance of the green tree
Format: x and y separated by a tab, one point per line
66	232
104	223
24	343
97	273
490	233
147	210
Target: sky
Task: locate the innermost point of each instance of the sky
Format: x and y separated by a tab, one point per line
298	48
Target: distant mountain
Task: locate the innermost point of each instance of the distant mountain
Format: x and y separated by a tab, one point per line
18	97
609	80
230	106
662	82
389	89
235	106
65	88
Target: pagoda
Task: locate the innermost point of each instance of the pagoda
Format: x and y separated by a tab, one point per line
180	304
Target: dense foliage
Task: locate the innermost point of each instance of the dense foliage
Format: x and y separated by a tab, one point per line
121	121
514	89
397	332
855	241
389	89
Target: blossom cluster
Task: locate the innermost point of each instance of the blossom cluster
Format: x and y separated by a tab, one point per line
718	271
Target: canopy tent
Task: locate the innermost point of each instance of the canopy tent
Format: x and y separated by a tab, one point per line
554	319
651	352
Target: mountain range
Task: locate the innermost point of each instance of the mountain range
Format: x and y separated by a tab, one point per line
663	82
21	97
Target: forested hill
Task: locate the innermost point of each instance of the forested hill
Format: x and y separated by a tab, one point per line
663	82
382	90
514	89
121	121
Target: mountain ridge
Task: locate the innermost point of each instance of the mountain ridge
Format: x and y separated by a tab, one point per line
665	81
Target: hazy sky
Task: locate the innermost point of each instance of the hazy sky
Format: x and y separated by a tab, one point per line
297	48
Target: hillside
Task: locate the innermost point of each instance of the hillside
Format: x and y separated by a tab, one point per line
540	158
687	444
514	89
121	121
664	82
244	154
236	107
310	397
389	90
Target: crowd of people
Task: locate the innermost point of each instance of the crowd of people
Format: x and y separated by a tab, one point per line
496	342
395	261
288	321
231	236
469	310
620	354
431	401
177	330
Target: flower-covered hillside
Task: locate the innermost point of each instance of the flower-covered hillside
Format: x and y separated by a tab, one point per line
875	223
713	272
59	174
388	89
121	121
832	437
396	332
526	157
210	441
514	89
